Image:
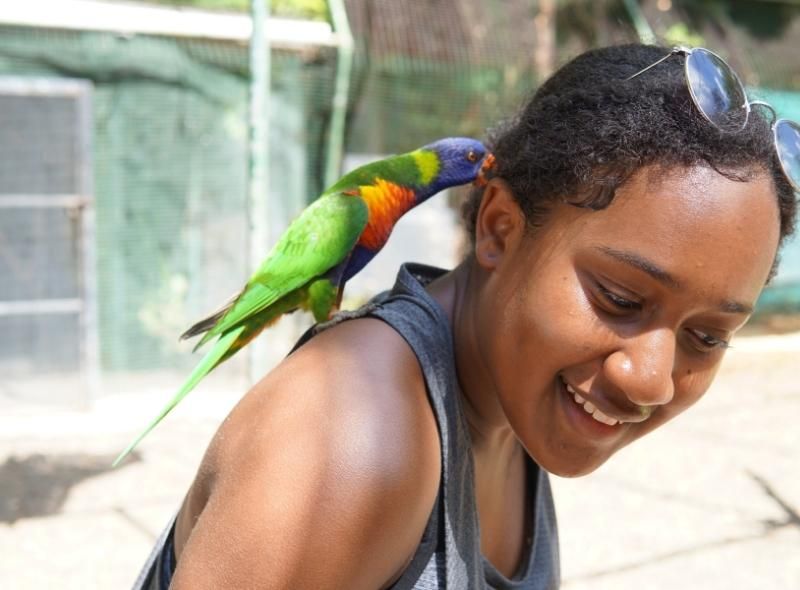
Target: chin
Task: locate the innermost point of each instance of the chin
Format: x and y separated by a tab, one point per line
572	473
569	468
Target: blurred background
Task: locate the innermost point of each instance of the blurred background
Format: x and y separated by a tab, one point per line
139	186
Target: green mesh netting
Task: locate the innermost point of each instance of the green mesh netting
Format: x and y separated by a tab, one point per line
170	171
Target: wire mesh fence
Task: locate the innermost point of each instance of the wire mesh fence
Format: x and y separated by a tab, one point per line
46	295
169	132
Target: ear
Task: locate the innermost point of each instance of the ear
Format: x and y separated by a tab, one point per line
499	226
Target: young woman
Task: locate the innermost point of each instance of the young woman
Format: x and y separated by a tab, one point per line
632	221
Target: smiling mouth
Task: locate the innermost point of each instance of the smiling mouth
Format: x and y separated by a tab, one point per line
590	408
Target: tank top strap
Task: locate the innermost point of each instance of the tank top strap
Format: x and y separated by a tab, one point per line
422	322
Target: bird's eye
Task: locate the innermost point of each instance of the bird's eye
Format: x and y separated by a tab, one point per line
472	156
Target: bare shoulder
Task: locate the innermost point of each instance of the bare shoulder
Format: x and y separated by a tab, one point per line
323	476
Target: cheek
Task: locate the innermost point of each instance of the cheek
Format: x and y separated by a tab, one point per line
554	317
692	383
545	325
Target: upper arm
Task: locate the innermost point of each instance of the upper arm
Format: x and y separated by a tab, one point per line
326	474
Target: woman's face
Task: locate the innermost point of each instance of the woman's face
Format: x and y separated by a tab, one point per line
602	325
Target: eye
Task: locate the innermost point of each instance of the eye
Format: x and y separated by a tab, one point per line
615	303
706	343
472	156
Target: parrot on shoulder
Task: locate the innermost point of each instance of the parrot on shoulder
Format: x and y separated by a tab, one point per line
327	244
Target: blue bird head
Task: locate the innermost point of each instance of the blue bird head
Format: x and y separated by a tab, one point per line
461	160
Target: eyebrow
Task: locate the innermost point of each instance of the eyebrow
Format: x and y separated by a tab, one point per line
663	277
642	264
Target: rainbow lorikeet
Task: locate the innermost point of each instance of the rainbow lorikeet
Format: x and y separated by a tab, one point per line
330	241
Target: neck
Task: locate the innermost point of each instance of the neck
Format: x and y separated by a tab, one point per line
458	292
440	183
423	193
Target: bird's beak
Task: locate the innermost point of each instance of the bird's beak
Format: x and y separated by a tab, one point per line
488	164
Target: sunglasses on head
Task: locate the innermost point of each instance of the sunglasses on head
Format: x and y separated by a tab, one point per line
719	95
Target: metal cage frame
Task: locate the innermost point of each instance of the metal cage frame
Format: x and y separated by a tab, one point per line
80	205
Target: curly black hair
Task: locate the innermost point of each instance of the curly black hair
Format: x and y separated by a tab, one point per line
587	130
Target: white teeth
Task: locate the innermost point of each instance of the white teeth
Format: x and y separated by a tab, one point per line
601	417
590	408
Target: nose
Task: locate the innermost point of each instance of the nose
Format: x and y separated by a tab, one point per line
641	368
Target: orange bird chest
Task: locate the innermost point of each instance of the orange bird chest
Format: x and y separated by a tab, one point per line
386	203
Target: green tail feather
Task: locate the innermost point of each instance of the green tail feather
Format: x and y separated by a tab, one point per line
211	360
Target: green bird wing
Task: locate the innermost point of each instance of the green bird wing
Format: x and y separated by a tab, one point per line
319	239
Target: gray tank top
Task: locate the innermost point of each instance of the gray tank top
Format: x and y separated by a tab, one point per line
449	554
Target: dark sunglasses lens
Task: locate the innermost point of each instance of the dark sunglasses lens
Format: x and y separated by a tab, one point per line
716	90
787	142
